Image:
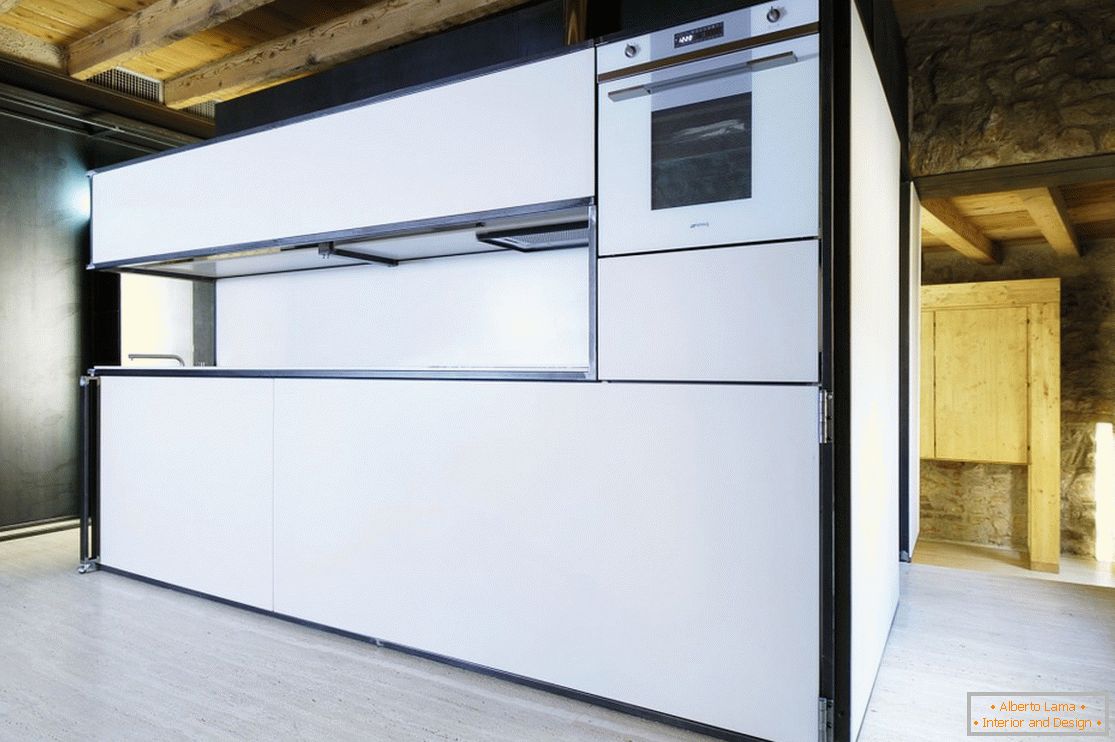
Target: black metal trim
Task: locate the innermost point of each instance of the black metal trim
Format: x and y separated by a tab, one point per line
89	541
70	524
719	246
830	651
341	252
904	473
371	232
559	690
421	87
295	373
46	82
789	34
494	237
836	60
40	523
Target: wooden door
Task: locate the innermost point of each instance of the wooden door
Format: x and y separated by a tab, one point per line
981	392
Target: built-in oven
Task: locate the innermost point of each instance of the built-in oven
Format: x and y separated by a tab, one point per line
708	132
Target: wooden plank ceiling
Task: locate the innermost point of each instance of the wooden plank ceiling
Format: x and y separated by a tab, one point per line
213	50
1061	218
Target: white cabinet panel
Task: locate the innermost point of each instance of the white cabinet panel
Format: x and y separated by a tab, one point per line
875	195
498	310
725	314
186	467
655	544
519	136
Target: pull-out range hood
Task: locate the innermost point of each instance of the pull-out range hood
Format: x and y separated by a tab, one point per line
551	226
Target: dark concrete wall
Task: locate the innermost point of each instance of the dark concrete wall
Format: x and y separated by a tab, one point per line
43	220
985	503
48	329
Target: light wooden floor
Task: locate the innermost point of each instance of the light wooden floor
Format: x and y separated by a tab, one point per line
958	631
1010	562
103	657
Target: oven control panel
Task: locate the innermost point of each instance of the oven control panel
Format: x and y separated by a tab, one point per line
697	35
745	23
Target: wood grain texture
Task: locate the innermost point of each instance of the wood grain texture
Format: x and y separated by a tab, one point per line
155	26
1047	208
27	48
994	293
980	372
104	657
385	24
941	218
1044	482
6	5
928	445
958	631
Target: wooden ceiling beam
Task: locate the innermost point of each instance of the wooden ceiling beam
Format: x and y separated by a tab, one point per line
155	26
1068	171
379	26
27	48
1048	210
942	219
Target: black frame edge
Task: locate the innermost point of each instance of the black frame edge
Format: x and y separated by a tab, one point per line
836	222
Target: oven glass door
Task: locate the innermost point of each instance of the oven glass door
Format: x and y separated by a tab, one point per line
700	152
713	152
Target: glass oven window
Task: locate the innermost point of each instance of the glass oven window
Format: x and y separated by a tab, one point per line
701	152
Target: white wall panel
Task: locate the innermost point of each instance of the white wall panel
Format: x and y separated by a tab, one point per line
156	316
724	314
914	422
502	309
875	196
519	136
186	467
656	544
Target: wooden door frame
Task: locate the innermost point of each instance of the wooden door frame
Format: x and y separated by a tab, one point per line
1042	299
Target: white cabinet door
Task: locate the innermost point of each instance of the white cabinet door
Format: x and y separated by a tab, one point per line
519	136
186	467
720	314
655	544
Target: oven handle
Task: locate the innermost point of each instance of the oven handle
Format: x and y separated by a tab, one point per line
754	65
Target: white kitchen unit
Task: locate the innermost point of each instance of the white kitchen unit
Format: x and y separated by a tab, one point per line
722	314
187	465
563	527
494	310
651	464
518	137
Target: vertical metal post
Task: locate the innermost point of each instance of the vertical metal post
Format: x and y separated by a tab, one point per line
87	560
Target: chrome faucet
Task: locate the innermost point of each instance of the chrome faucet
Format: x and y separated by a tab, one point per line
157	356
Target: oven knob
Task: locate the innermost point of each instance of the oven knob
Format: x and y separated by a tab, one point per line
774	15
631	50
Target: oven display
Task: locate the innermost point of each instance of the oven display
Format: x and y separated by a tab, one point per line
697	35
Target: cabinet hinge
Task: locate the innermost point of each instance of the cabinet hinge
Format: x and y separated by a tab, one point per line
824	416
824	720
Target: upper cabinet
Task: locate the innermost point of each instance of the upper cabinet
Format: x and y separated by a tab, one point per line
517	138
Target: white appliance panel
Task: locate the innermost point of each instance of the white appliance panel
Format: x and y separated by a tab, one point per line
784	151
186	467
655	544
720	314
518	136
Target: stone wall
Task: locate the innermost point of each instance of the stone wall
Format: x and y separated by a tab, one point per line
1027	81
986	503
